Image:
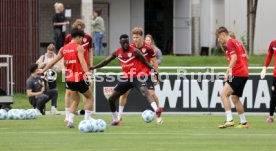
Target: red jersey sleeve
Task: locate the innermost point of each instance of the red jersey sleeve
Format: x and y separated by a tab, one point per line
269	55
230	47
151	52
90	42
67	39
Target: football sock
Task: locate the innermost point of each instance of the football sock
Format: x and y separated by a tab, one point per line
114	116
87	114
154	106
121	110
67	112
53	108
242	118
229	116
71	117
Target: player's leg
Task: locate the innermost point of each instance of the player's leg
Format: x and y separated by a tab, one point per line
240	110
160	110
67	104
270	118
122	103
225	94
88	102
76	100
151	88
120	88
141	84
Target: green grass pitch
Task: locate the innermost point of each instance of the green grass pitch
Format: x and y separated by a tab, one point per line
178	133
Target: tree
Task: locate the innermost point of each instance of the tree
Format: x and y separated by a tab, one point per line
251	23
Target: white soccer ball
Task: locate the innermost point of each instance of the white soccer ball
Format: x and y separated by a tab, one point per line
85	126
21	114
148	116
12	114
101	125
31	114
94	125
3	114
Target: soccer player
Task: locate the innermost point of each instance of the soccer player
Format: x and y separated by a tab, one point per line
88	55
236	77
150	55
271	52
135	68
77	69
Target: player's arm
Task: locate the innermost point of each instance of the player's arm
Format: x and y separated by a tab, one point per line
52	63
140	57
90	53
155	63
105	61
84	66
231	64
267	60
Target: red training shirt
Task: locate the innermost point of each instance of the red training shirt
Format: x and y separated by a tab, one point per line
241	67
131	66
74	72
86	42
147	52
271	52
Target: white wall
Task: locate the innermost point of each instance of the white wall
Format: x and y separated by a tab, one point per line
236	17
119	20
137	13
205	23
265	26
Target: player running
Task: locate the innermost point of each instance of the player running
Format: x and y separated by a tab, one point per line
236	77
135	68
88	55
150	55
73	54
271	52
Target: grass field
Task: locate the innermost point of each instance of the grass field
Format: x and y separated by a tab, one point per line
178	133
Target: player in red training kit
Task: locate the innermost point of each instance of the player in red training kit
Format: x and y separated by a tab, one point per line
271	52
149	54
88	55
236	77
135	68
76	70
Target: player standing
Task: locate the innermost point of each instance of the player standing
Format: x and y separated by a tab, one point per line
150	55
76	66
135	68
271	52
236	76
88	55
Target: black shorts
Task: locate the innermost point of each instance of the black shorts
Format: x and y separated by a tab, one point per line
237	84
150	83
81	86
123	86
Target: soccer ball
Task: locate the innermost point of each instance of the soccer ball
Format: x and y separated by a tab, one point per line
101	125
12	114
21	115
94	125
85	126
3	114
148	116
31	114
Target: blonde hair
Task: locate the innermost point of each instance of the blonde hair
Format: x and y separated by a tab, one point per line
78	22
51	47
137	31
151	38
58	5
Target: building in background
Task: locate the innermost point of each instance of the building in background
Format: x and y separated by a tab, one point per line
180	27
